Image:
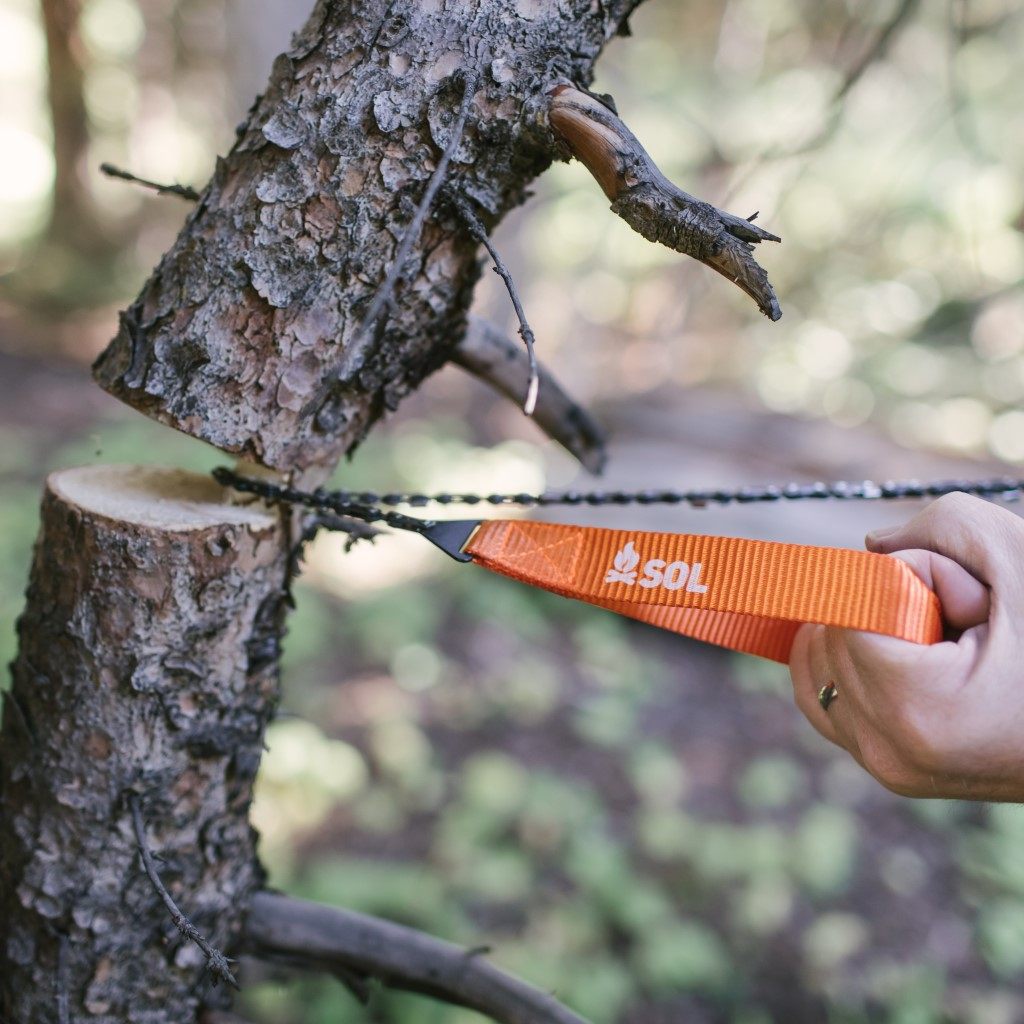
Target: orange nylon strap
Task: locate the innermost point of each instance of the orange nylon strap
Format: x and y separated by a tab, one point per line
747	595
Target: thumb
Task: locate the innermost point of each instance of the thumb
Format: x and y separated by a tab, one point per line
974	533
965	601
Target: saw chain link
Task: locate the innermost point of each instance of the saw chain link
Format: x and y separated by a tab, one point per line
365	504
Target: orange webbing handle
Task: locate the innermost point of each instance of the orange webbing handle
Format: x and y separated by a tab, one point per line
747	595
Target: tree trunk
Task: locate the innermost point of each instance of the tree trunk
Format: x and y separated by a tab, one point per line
146	670
73	216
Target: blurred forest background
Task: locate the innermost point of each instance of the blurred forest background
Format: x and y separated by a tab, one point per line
630	819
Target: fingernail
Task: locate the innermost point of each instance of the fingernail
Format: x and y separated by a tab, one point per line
880	534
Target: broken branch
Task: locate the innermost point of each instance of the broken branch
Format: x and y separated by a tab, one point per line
479	233
491	356
332	938
650	204
182	191
216	962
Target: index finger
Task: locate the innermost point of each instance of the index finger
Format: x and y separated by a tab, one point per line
964	599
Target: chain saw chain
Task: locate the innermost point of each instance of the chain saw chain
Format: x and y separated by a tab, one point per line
366	504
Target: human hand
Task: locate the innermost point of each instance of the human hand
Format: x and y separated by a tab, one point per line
945	720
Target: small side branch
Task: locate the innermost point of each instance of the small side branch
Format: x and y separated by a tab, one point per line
491	356
216	962
331	938
650	204
182	191
355	529
479	234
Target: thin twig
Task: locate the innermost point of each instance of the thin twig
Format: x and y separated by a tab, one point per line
329	938
500	362
355	529
382	297
479	233
182	191
963	123
216	962
877	49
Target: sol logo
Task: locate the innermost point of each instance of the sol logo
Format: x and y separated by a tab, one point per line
671	576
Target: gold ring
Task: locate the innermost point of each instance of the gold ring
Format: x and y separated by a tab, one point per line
827	694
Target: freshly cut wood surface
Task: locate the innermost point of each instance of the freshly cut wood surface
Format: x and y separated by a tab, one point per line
168	499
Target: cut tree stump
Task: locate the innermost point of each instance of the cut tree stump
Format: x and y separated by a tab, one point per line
147	672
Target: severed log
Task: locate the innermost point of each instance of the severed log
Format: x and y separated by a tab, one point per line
146	676
249	334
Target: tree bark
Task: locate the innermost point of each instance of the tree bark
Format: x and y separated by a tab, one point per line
247	334
146	673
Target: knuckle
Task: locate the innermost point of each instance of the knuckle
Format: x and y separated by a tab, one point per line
888	767
919	735
966	520
955	503
950	519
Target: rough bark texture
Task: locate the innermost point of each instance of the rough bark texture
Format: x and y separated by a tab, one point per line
246	334
148	645
146	666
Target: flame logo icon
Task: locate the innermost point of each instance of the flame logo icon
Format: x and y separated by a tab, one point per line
625	564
